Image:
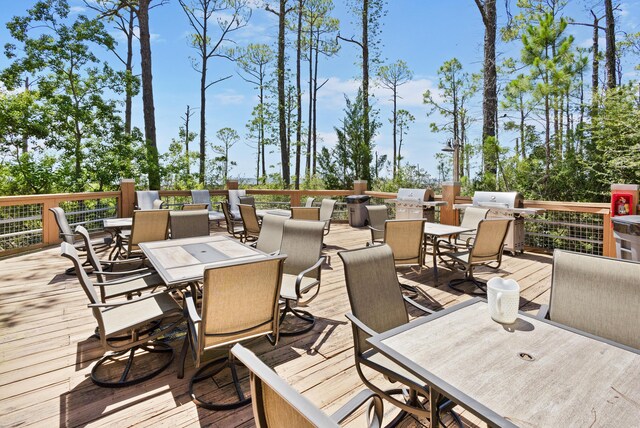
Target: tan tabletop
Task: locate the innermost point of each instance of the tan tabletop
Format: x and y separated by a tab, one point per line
280	212
434	231
183	260
118	223
571	380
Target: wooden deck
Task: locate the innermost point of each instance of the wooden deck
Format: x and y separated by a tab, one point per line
46	350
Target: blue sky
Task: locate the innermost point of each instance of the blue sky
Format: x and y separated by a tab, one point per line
423	33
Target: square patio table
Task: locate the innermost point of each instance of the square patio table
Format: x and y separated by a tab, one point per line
434	231
180	261
280	212
117	225
531	373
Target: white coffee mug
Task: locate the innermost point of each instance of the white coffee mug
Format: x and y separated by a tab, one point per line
503	296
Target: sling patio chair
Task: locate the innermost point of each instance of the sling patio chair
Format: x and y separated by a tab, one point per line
271	233
377	215
240	301
190	223
234	227
309	202
302	244
326	212
406	240
234	201
486	250
68	236
145	199
472	216
377	305
127	327
247	200
146	226
204	197
597	295
304	213
250	223
277	404
194	207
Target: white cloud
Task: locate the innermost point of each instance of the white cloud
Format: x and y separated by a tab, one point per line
409	94
77	9
229	97
327	139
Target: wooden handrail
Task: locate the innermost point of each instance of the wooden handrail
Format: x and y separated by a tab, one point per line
38	199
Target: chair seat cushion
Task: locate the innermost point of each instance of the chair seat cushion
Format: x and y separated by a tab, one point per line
376	360
288	290
133	286
215	216
121	319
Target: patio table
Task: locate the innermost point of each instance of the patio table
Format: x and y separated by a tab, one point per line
117	225
280	212
435	231
531	373
180	261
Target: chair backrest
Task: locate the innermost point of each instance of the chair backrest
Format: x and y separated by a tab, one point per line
145	199
271	231
190	223
597	295
489	242
405	237
201	197
326	209
93	258
309	202
66	234
374	294
249	219
377	216
148	225
157	204
195	207
240	301
304	213
247	200
224	205
302	243
234	200
275	403
471	218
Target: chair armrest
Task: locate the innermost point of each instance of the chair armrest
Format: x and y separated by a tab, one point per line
129	272
374	229
356	402
360	325
123	280
301	274
124	302
417	305
543	312
190	311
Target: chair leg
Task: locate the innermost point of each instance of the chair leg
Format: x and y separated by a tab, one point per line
468	277
305	316
211	369
125	379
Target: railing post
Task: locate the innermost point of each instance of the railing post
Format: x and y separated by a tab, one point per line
127	200
449	215
608	241
359	187
50	231
232	184
295	200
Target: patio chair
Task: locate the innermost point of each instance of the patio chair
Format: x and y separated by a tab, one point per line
376	215
304	213
190	223
247	200
277	404
597	295
309	202
240	301
377	305
125	328
271	233
250	223
486	250
234	201
326	211
145	199
234	227
68	236
195	207
116	278
203	197
146	226
472	216
406	238
302	243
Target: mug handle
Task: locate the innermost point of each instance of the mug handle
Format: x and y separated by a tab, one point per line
499	302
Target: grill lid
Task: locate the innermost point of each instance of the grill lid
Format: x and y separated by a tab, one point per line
415	195
498	199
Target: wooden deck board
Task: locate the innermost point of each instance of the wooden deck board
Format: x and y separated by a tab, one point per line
46	348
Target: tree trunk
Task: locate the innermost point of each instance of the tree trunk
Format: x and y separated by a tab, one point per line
261	143
314	123
186	139
490	90
395	129
365	76
147	96
129	74
282	120
311	86
299	95
610	52
595	63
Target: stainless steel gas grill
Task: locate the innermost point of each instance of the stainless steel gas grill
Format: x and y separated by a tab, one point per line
505	204
416	203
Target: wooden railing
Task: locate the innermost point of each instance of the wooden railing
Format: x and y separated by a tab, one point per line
26	222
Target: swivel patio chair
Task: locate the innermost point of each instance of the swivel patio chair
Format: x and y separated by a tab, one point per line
486	249
146	226
271	233
247	200
126	327
377	305
234	227
326	212
234	201
250	223
376	215
302	243
240	301
190	223
406	238
309	202
277	404
472	216
304	213
145	199
203	197
597	295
